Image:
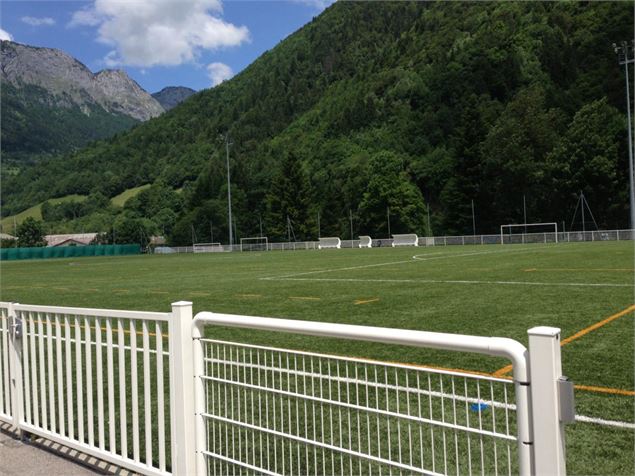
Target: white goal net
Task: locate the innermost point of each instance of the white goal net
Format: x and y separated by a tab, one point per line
529	233
259	243
207	247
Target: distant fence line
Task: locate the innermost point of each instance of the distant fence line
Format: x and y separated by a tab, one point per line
493	239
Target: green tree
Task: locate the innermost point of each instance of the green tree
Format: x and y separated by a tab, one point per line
289	197
30	233
390	187
591	158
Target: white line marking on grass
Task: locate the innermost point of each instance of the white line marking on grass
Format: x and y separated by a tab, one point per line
415	258
601	421
462	281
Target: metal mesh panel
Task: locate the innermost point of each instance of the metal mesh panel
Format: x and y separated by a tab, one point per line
276	411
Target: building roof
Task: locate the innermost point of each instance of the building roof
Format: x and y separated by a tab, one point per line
77	238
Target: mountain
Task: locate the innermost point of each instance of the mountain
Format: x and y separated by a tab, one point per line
53	103
172	96
387	105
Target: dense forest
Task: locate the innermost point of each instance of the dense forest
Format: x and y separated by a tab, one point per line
374	106
60	129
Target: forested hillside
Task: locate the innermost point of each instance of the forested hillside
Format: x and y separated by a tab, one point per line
376	105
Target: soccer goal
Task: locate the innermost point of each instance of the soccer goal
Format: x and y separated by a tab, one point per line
207	248
529	233
257	243
409	239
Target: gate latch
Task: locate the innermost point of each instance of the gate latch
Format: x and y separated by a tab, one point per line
567	402
17	327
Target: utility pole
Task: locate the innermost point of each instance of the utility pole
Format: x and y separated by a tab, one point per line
388	217
211	232
525	213
229	191
473	221
582	203
318	217
429	227
260	220
350	216
625	56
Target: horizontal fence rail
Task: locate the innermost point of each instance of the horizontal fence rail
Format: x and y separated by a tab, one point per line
278	411
493	239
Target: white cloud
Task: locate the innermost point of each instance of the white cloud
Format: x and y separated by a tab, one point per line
85	17
5	35
34	21
316	4
218	72
159	32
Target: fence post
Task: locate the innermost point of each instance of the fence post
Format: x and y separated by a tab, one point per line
15	369
182	389
545	368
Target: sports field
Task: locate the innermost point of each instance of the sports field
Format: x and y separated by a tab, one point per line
586	289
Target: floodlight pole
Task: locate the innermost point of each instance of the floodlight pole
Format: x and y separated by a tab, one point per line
229	192
318	217
388	217
473	221
622	52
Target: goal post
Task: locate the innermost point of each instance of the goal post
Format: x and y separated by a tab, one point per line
256	243
537	230
207	248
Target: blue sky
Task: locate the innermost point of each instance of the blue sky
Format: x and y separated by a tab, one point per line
194	43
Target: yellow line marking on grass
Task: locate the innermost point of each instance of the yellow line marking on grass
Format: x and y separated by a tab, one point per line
529	270
597	325
305	298
508	368
159	292
92	290
613	391
199	293
366	301
248	295
628	270
61	289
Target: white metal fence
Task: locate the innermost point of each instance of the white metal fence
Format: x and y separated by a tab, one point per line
150	392
494	239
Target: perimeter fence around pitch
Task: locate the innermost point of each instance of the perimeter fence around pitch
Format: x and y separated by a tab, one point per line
493	239
156	394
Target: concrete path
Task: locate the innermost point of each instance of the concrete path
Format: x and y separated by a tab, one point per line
41	456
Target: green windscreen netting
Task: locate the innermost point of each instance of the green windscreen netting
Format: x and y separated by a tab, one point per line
68	251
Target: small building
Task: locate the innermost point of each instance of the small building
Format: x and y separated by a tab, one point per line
6	236
76	239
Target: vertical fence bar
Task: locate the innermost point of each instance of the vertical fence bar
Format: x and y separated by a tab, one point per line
134	384
40	342
15	362
123	410
49	358
70	422
79	380
546	368
185	459
147	390
89	380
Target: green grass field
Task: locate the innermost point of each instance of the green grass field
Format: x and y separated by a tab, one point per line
486	290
